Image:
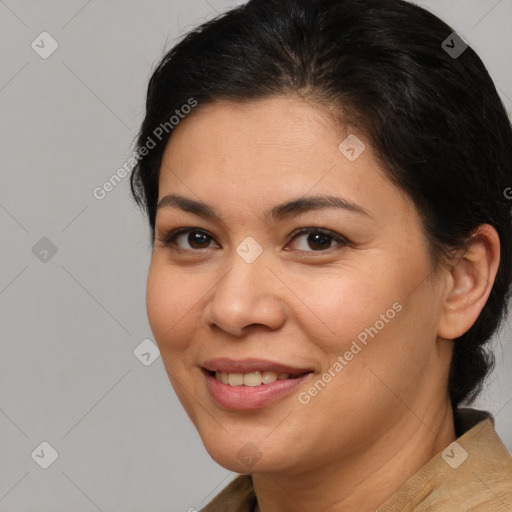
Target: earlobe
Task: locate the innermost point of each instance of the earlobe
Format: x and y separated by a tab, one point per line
469	282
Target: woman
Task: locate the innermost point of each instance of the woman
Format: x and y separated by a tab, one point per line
324	182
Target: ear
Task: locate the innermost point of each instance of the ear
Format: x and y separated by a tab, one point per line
469	282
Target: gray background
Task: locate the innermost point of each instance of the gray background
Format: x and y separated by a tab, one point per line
71	321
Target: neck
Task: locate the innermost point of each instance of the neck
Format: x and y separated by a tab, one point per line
366	479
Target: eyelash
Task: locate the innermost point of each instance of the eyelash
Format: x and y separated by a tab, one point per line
170	237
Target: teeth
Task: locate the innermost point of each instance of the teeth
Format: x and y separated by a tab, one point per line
236	379
250	379
268	377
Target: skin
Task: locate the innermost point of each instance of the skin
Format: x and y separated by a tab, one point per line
388	411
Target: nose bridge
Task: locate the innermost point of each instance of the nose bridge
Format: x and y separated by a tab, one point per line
247	293
245	281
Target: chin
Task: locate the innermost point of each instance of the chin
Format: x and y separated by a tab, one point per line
247	463
243	456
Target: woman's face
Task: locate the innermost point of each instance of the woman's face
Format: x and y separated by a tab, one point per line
349	308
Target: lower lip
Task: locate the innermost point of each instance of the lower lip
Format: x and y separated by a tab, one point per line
250	397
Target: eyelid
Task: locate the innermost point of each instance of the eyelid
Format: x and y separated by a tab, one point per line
170	236
332	234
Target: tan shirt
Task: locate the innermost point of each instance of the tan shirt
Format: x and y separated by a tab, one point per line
473	474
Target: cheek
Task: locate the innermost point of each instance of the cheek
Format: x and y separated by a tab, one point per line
371	319
342	304
386	346
170	301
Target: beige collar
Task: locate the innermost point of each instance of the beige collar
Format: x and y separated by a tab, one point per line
473	473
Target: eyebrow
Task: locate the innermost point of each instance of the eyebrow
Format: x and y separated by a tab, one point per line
277	213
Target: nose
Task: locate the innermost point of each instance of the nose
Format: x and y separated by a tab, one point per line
248	294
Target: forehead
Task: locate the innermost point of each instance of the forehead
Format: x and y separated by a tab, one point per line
277	120
271	148
283	134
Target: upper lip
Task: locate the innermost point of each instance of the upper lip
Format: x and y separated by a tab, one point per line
227	365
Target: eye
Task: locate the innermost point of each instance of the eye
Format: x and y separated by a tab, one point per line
195	237
314	239
317	239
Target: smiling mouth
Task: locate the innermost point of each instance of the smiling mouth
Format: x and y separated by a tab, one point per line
252	379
